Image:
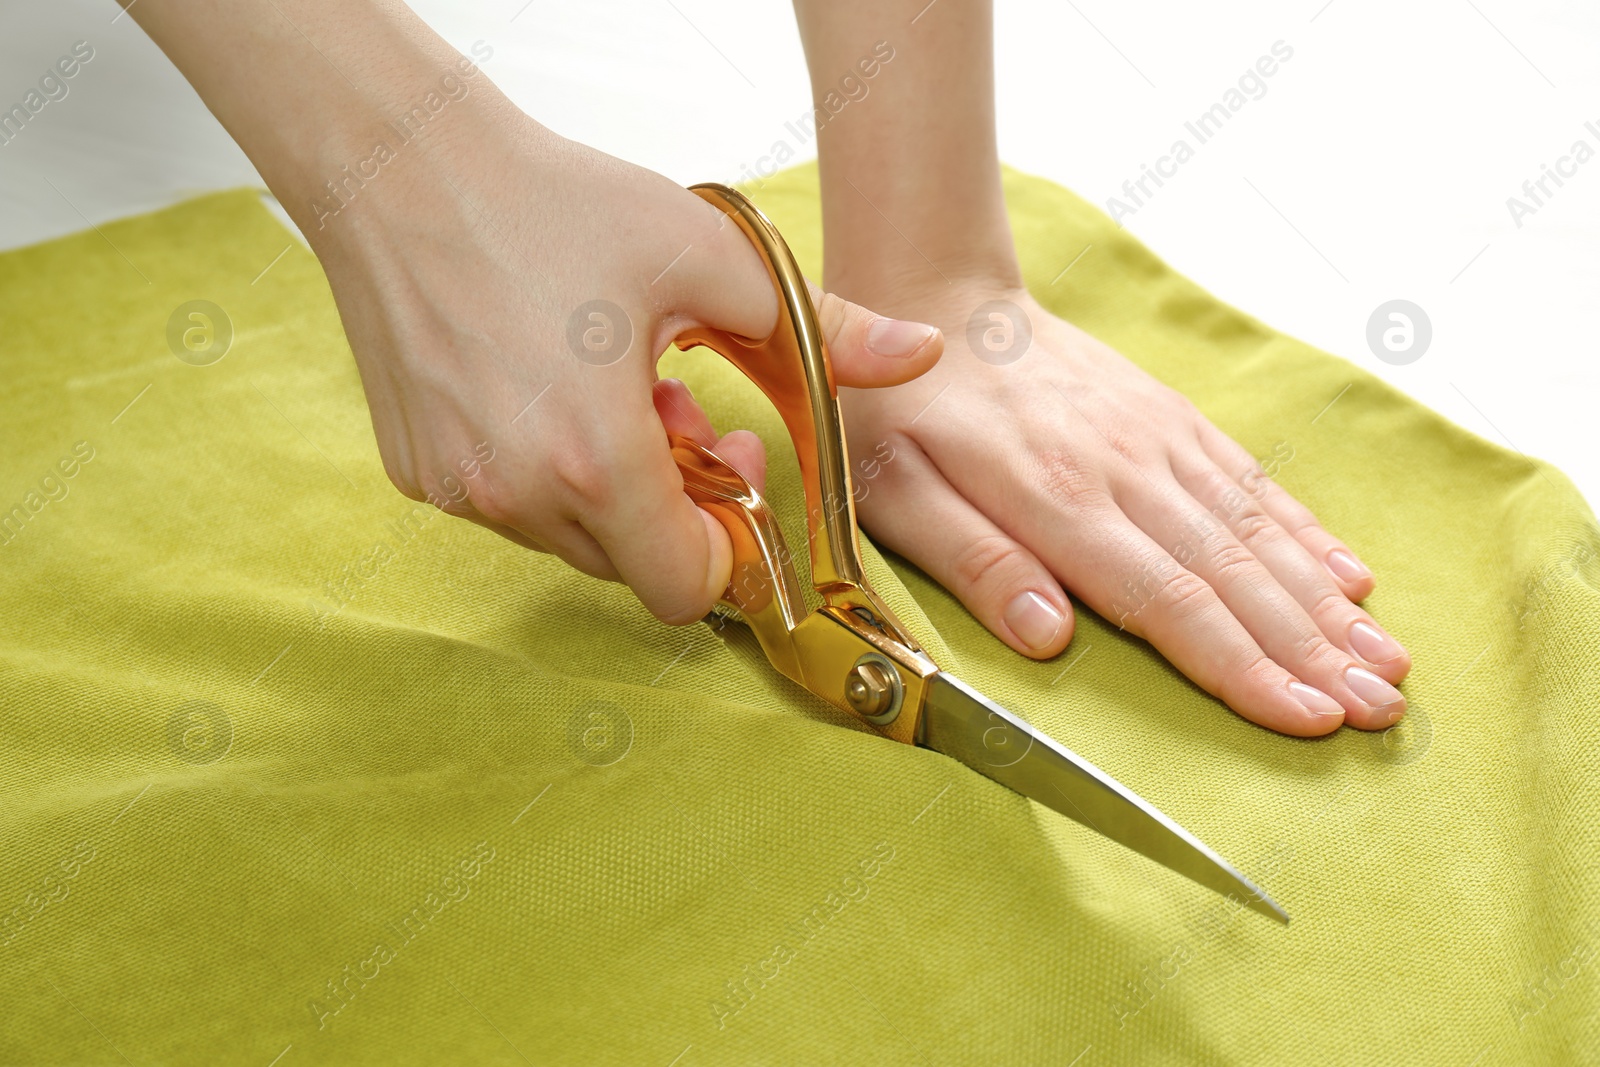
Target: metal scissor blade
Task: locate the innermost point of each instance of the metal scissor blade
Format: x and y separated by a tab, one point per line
966	726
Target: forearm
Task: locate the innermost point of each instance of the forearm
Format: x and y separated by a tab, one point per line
321	96
910	171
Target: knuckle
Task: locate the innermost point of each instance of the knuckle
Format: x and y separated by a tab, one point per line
446	492
1232	562
1250	474
1131	446
583	479
1211	484
1312	647
1302	523
832	313
1185	595
496	500
461	509
1256	528
988	559
1065	482
1327	603
404	482
1259	671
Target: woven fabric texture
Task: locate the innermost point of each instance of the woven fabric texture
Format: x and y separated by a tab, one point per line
293	771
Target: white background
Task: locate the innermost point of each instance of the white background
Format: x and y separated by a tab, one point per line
1376	167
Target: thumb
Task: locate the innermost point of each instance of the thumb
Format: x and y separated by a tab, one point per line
719	280
870	350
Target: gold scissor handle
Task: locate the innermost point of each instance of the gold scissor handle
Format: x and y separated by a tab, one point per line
851	651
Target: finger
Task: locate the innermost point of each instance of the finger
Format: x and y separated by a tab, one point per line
569	542
1200	542
1351	575
676	558
744	452
999	581
1115	568
1295	569
484	502
869	350
1069	517
510	533
720	281
682	415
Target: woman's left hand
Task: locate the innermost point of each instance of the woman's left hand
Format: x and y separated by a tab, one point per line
1055	462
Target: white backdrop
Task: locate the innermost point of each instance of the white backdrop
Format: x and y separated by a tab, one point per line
1376	166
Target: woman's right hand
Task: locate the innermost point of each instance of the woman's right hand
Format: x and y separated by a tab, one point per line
506	293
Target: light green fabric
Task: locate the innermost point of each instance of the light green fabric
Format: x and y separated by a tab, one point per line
394	708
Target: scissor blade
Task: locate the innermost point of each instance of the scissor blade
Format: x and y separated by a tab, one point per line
966	726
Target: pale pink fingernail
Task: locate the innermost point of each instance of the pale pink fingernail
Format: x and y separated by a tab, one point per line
1315	700
1374	691
1373	645
897	338
1346	567
1035	620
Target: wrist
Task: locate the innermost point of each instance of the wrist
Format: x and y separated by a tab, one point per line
945	305
949	266
889	228
386	144
898	285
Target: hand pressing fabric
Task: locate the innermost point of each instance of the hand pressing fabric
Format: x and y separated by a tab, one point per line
1070	466
1056	463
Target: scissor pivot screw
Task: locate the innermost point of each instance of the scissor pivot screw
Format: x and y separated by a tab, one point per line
873	689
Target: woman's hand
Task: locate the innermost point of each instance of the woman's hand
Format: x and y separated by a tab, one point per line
1068	466
506	304
506	292
1060	463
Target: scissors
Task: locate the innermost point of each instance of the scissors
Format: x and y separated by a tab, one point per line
851	650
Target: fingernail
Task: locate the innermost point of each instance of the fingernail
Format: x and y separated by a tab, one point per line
1373	645
1346	567
1377	693
1315	700
897	338
1034	619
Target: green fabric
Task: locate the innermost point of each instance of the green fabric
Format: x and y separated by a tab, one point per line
267	727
